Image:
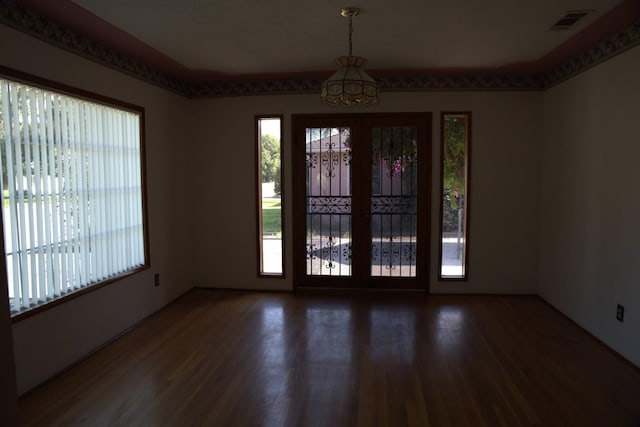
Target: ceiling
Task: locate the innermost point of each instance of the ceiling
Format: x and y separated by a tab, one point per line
220	40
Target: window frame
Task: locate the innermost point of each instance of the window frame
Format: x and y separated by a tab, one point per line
258	180
63	89
466	210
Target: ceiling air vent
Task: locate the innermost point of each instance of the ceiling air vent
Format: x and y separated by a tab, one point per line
570	19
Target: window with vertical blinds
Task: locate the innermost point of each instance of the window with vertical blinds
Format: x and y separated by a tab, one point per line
72	193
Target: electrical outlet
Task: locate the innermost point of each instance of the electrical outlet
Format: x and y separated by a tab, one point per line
157	279
620	313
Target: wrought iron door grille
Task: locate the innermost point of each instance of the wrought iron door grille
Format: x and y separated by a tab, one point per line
328	207
394	201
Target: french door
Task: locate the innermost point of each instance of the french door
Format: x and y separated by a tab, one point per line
361	201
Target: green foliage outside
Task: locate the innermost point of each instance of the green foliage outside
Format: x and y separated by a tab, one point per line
271	161
396	147
455	138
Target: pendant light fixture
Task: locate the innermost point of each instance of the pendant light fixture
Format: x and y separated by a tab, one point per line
350	85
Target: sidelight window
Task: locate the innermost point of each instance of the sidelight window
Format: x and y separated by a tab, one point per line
269	172
454	214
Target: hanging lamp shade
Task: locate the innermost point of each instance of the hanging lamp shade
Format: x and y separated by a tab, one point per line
350	85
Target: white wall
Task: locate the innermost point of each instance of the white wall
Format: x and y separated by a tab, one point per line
589	232
8	390
52	340
504	186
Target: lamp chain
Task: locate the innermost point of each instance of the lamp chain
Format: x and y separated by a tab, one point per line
350	34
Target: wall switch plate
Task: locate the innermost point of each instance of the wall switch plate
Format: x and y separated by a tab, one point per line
620	313
157	279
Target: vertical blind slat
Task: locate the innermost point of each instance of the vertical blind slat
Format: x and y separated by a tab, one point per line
53	196
24	208
110	200
84	195
102	223
77	248
127	197
34	205
120	195
71	200
93	211
41	196
65	204
11	246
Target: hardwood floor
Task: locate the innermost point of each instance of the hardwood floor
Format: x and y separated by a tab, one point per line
232	358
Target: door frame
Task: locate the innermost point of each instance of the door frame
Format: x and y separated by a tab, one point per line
360	125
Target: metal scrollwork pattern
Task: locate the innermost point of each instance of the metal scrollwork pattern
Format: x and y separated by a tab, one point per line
311	161
392	254
393	204
329	205
311	251
330	161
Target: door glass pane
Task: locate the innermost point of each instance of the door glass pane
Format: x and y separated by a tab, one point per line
328	201
394	191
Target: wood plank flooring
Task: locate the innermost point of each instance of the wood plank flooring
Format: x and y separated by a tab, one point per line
232	358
